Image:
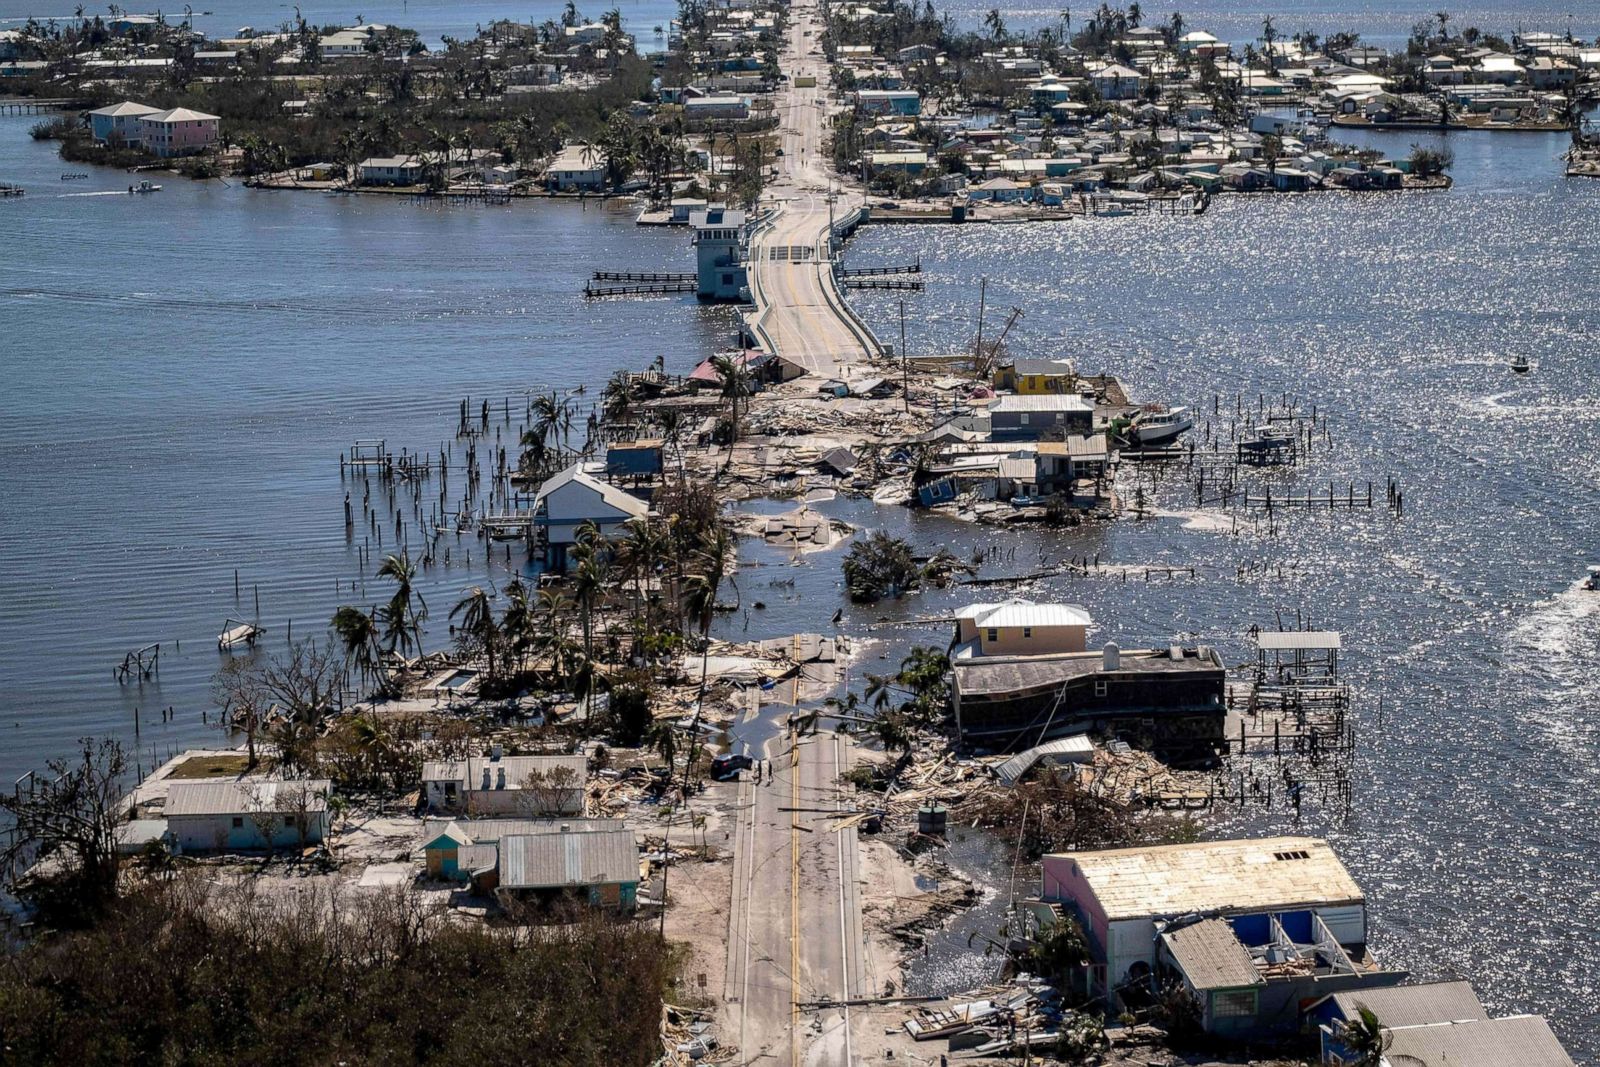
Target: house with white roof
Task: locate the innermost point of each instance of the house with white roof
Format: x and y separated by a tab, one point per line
119	121
1019	627
573	498
249	815
577	168
178	132
497	784
391	170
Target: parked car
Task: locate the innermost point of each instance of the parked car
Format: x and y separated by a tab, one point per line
727	766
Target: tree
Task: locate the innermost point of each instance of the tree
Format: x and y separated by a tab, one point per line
735	385
881	566
996	24
402	621
1429	162
71	817
554	792
1364	1036
479	629
240	692
358	632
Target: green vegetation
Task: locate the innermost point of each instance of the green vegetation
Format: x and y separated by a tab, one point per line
1429	162
881	566
183	972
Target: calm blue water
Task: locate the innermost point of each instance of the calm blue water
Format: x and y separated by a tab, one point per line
183	371
432	19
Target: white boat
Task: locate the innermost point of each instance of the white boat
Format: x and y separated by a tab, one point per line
235	634
144	186
1521	365
1592	582
1159	427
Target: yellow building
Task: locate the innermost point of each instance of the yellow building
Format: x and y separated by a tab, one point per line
1037	376
1022	628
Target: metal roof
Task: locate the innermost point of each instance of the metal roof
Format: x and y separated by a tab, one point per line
985	675
488	831
1524	1040
551	861
252	795
1018	612
616	498
1036	401
1414	1005
1211	957
1074	748
517	768
1215	876
1303	640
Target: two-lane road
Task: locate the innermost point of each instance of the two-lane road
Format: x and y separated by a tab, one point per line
798	305
794	930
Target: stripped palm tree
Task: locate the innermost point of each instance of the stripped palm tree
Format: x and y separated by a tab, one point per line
358	633
735	385
479	626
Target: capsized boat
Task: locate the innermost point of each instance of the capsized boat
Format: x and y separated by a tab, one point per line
236	634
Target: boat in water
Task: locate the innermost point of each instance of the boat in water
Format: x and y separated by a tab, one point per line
237	634
1159	427
1520	364
1592	582
145	186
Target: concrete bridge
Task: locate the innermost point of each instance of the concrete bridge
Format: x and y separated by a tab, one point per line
800	313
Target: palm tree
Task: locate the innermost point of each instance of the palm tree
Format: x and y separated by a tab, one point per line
518	624
713	560
735	385
479	625
402	622
1365	1036
358	632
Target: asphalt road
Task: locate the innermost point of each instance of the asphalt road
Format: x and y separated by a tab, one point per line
791	270
794	931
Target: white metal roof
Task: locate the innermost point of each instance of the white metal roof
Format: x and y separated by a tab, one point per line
1040	401
1017	612
126	108
252	795
545	861
1291	640
1214	876
626	503
1074	748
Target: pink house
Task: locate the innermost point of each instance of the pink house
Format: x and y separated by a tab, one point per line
178	132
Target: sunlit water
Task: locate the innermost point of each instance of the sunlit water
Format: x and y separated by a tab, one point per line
183	370
1474	824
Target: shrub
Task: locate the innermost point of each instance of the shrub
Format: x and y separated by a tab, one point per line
881	566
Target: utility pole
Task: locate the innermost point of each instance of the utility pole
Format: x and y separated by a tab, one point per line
977	353
905	367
